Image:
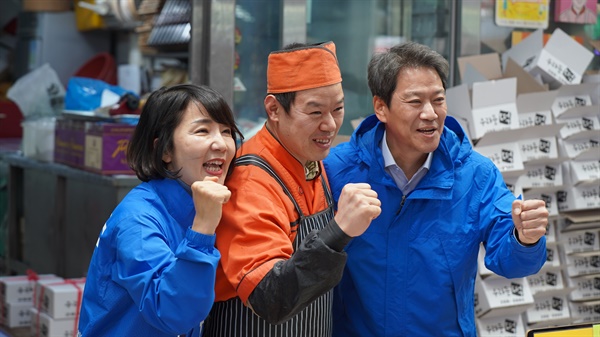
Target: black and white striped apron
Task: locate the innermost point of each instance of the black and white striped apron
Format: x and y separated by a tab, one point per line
232	318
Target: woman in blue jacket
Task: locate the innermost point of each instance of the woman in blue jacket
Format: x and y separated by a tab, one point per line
153	270
412	273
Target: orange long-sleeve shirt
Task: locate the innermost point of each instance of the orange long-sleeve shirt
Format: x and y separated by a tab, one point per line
255	230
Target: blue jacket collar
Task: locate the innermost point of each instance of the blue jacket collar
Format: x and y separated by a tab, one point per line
453	149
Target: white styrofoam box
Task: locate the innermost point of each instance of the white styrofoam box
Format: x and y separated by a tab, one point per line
549	307
509	326
549	174
63	299
583	312
16	315
548	195
497	296
583	146
573	96
548	279
581	197
580	265
46	326
584	170
20	288
585	288
581	241
562	60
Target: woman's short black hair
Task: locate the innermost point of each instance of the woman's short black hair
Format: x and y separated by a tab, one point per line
161	115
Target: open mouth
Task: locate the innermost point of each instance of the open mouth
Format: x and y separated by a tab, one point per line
428	131
214	166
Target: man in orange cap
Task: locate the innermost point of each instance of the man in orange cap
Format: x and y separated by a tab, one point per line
281	243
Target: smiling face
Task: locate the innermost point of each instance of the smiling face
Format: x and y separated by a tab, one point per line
201	146
308	129
415	118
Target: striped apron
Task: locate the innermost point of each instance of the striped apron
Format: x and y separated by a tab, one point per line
232	318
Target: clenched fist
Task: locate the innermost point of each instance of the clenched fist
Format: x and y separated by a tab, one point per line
357	207
531	219
209	197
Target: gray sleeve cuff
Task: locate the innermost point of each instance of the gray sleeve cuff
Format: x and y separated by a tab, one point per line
334	237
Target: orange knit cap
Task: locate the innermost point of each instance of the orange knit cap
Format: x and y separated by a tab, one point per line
302	68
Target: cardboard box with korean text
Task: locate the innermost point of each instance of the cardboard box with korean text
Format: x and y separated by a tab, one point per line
574	96
585	171
535	114
581	146
584	312
581	265
548	279
550	307
525	53
494	107
548	174
580	241
582	196
562	60
502	149
585	288
579	119
579	220
498	296
503	326
62	300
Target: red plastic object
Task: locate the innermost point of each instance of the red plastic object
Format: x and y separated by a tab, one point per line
101	67
10	120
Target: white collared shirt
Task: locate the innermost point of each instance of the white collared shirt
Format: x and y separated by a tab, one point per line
405	185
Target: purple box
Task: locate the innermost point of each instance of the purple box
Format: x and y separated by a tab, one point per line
69	142
106	147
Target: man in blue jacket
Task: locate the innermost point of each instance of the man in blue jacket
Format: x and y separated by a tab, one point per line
412	273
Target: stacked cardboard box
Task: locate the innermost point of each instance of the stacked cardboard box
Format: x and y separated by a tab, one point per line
17	298
57	313
536	115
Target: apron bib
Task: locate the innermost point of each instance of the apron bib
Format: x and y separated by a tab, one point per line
312	321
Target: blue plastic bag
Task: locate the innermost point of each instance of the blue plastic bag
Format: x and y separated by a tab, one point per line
85	94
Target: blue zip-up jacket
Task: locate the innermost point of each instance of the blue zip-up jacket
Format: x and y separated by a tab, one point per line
150	274
412	273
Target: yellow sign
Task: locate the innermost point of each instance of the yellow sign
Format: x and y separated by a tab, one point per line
522	13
